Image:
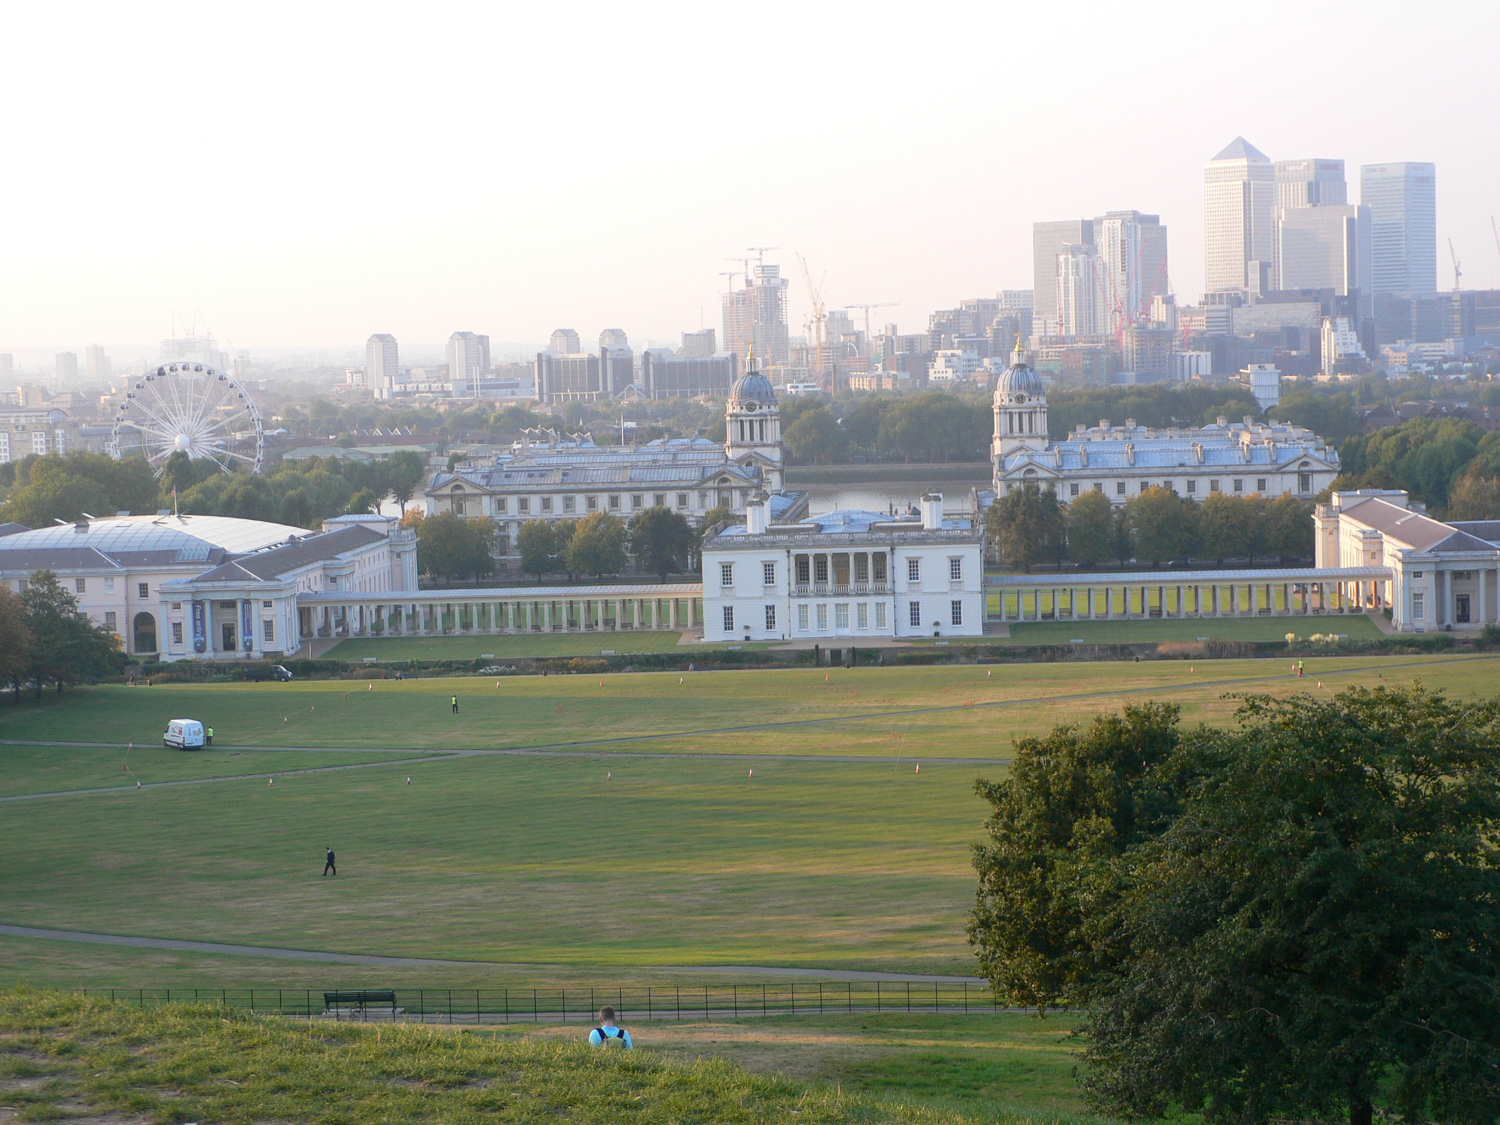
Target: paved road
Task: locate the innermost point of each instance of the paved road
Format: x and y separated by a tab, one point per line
283	954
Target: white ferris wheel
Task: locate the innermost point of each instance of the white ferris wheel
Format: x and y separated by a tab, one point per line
189	408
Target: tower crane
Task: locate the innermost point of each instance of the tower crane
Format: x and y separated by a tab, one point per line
1458	273
870	340
1496	229
760	253
819	313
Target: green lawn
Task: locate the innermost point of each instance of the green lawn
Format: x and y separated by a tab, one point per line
1356	625
505	647
547	867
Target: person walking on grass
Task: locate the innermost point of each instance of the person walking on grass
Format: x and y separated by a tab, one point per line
328	864
455	705
608	1033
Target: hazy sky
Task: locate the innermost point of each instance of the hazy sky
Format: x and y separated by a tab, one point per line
306	174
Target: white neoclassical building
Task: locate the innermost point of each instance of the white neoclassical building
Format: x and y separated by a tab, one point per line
844	575
1442	575
1239	458
181	587
572	478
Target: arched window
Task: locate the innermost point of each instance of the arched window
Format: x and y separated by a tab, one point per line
145	632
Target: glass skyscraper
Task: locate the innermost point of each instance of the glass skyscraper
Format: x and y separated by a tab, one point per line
1403	221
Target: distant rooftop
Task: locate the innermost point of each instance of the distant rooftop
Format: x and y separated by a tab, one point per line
1241	149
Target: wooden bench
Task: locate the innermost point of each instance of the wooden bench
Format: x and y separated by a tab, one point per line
340	1001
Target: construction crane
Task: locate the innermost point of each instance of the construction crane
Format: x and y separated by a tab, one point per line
870	340
1496	229
819	313
745	264
1458	273
760	253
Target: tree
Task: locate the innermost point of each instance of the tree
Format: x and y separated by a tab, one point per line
1162	525
1228	527
449	546
65	488
1288	528
598	545
363	502
1090	526
661	540
1315	929
15	640
404	472
538	543
66	646
1475	497
814	438
1023	524
1074	802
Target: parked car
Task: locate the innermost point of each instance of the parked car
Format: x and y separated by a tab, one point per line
184	734
281	673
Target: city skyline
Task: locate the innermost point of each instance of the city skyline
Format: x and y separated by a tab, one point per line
916	205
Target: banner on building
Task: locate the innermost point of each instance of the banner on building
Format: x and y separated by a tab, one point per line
247	626
200	628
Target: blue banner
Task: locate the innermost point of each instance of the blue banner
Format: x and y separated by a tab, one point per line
200	637
247	626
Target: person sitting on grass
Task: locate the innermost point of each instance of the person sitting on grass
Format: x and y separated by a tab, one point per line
608	1033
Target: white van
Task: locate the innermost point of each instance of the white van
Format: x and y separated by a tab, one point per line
185	734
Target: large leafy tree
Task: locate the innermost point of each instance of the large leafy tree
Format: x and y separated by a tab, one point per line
1162	525
1228	527
1091	529
541	547
450	547
598	545
15	640
1025	525
1288	528
661	540
58	487
403	472
815	437
66	646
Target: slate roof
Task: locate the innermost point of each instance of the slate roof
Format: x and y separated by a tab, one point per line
1413	529
266	566
1155	453
1488	530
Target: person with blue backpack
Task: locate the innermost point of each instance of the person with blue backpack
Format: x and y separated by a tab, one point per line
608	1033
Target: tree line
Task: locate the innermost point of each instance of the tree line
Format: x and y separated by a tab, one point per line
1030	525
1451	464
1288	919
657	540
43	489
45	637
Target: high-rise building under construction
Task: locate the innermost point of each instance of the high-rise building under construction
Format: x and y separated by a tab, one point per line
756	315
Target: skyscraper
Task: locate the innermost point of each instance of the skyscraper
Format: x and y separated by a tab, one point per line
1048	240
382	359
1133	264
1079	293
96	363
468	362
1239	203
66	365
1403	213
565	342
7	367
1328	248
1305	183
698	345
756	315
616	360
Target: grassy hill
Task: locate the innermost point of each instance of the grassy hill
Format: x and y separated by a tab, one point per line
63	1056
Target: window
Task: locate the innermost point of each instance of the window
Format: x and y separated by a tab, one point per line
144	589
726	574
1073	489
109	621
659	500
880	615
768	574
614	503
523	505
1416	607
770	617
1213	486
956	612
637	500
1192	486
263	605
546	503
268	630
862	615
177	632
80	585
109	585
1119	488
1260	485
955	570
458	505
1304	482
823	618
729	617
914	570
592	503
802	617
879	569
502	506
802	571
820	569
682	500
570	503
1417	573
1239	484
914	615
841	615
1098	486
703	500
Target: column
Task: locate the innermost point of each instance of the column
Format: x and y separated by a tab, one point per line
1483	580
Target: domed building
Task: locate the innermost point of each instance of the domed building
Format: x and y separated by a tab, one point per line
1239	458
753	436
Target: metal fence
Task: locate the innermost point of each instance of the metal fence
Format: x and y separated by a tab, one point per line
581	1005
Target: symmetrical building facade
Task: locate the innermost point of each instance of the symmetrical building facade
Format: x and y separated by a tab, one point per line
1239	204
212	587
1402	198
850	575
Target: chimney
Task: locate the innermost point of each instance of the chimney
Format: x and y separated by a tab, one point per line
1130	423
932	511
757	517
1130	453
